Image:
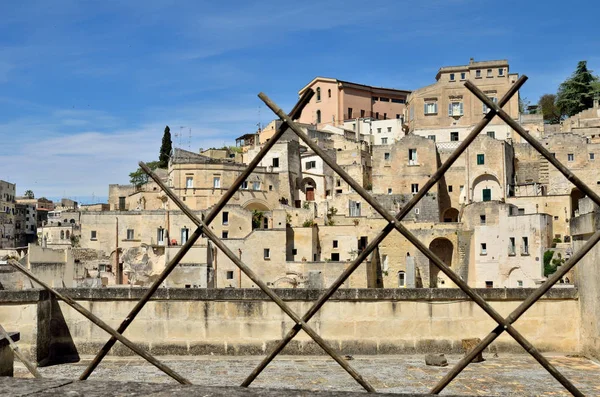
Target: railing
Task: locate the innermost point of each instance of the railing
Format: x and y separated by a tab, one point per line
504	324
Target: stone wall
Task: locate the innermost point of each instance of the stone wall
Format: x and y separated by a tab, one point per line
245	321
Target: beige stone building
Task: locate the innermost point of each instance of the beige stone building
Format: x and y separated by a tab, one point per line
7	214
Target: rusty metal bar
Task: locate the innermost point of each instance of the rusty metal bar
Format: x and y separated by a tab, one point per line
295	113
250	273
21	357
394	223
96	320
514	316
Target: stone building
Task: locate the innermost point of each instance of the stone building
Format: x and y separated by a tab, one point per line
446	110
7	214
337	101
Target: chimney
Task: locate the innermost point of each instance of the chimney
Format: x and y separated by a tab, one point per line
471	61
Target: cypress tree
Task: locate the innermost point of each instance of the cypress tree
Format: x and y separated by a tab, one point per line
165	149
577	92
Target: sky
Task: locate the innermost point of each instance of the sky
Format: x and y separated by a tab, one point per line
87	87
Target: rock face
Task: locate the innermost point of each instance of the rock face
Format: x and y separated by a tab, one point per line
468	345
438	360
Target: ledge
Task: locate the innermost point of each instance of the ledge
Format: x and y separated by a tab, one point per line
254	294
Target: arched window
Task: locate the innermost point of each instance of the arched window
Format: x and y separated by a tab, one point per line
72	220
62	234
329	93
318	93
67	235
318	116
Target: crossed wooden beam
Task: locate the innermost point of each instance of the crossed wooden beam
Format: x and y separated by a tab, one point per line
394	222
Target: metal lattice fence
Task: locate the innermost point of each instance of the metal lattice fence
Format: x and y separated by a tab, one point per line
393	222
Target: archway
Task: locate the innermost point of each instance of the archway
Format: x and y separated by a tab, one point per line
487	188
258	205
309	187
443	249
516	278
576	195
450	215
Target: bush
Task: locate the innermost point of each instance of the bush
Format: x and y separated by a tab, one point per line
308	223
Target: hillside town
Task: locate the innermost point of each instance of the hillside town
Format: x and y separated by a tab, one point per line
501	217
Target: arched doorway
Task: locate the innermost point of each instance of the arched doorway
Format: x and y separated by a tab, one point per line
309	187
487	188
443	249
576	195
450	215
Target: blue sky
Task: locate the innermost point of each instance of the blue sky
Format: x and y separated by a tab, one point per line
86	87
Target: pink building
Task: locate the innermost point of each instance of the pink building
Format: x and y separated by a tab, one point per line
336	101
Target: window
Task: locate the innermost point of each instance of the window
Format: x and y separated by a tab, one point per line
62	234
362	113
318	116
397	116
482	219
244	185
486	195
412	156
592	156
463	76
93	235
130	234
511	246
489	73
354	207
185	234
491	134
224	234
432	137
318	94
483	250
216	182
525	246
67	235
454	136
480	159
386	156
521	211
389	190
267	253
335	243
311	164
520	283
377	115
489	284
385	116
570	157
275	162
349	113
485	108
401	279
478	74
189	182
389	129
229	275
430	108
414	188
225	217
256	185
384	99
384	141
455	109
500	72
379	130
121	203
335	257
294	251
329	93
451	76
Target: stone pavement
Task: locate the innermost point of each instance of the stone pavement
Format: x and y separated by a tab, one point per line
508	374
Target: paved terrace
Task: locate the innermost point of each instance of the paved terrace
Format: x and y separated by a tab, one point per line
501	375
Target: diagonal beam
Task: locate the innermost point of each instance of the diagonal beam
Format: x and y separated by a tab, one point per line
96	320
393	222
294	114
15	349
254	277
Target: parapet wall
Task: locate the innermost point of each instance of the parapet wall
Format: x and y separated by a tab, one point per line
245	321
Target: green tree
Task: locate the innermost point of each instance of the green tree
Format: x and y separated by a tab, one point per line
29	194
577	92
550	112
139	177
165	149
549	268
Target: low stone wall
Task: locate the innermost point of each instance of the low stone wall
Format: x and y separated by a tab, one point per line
245	321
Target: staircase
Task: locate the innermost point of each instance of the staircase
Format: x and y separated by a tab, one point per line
544	170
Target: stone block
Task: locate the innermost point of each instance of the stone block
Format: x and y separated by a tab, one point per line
169	349
437	360
203	349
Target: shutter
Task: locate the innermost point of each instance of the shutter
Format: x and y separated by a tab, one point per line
450	109
461	108
425	108
435	107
